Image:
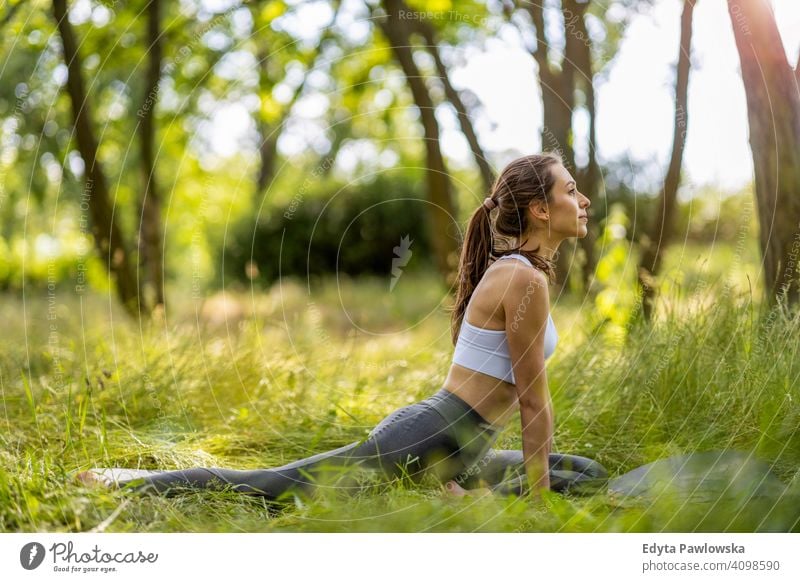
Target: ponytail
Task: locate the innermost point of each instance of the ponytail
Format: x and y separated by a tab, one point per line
475	258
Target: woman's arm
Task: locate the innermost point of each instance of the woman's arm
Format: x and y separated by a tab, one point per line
552	423
526	309
536	446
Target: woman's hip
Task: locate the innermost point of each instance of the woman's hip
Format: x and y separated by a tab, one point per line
442	424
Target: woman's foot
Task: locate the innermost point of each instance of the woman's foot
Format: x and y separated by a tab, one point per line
456	490
92	478
109	477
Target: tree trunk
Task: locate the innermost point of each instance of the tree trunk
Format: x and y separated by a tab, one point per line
589	176
150	240
443	212
269	133
663	223
773	109
453	96
558	88
267	155
107	236
558	102
341	131
589	181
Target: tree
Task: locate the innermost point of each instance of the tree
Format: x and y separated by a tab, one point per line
270	123
560	80
9	14
662	226
454	97
150	245
588	176
773	110
443	207
108	238
557	82
558	86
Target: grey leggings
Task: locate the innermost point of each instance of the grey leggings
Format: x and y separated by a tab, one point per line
441	435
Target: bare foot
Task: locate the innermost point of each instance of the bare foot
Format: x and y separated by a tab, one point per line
456	490
92	479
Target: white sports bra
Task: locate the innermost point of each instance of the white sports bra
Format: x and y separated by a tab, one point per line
486	350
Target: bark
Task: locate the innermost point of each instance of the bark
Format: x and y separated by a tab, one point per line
558	84
558	102
107	236
443	209
773	109
661	229
150	240
588	176
453	96
267	155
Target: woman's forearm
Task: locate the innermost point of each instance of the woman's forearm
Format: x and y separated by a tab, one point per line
551	442
536	444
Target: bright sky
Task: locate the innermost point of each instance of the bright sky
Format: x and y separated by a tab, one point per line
635	106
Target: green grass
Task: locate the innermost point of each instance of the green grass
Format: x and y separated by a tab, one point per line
289	377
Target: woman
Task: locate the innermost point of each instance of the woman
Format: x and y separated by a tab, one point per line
503	333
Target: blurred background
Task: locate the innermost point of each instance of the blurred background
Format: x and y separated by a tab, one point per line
153	150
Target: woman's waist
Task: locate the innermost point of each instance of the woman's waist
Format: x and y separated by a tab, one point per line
473	433
457	410
494	399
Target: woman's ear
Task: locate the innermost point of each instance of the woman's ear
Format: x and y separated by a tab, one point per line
538	209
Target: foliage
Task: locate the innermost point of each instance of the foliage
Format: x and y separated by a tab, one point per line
350	229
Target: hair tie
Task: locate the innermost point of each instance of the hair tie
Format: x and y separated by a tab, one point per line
489	202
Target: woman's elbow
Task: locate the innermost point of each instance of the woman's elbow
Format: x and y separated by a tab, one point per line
533	398
534	408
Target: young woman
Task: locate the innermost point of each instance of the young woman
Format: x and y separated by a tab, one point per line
503	333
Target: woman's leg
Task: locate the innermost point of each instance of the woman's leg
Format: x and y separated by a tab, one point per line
268	482
503	471
412	439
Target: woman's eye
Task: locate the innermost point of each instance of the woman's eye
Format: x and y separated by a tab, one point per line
573	191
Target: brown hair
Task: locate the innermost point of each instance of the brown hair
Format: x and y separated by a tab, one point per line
522	182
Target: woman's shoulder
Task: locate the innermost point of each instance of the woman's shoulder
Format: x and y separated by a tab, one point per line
518	271
509	281
504	285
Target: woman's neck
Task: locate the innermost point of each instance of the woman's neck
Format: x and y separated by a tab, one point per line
538	241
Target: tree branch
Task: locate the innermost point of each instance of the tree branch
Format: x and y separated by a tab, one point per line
661	228
10	14
536	10
429	34
269	139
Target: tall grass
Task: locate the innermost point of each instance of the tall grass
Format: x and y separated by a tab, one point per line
289	377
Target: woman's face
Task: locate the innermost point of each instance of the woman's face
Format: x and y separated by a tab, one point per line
566	212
